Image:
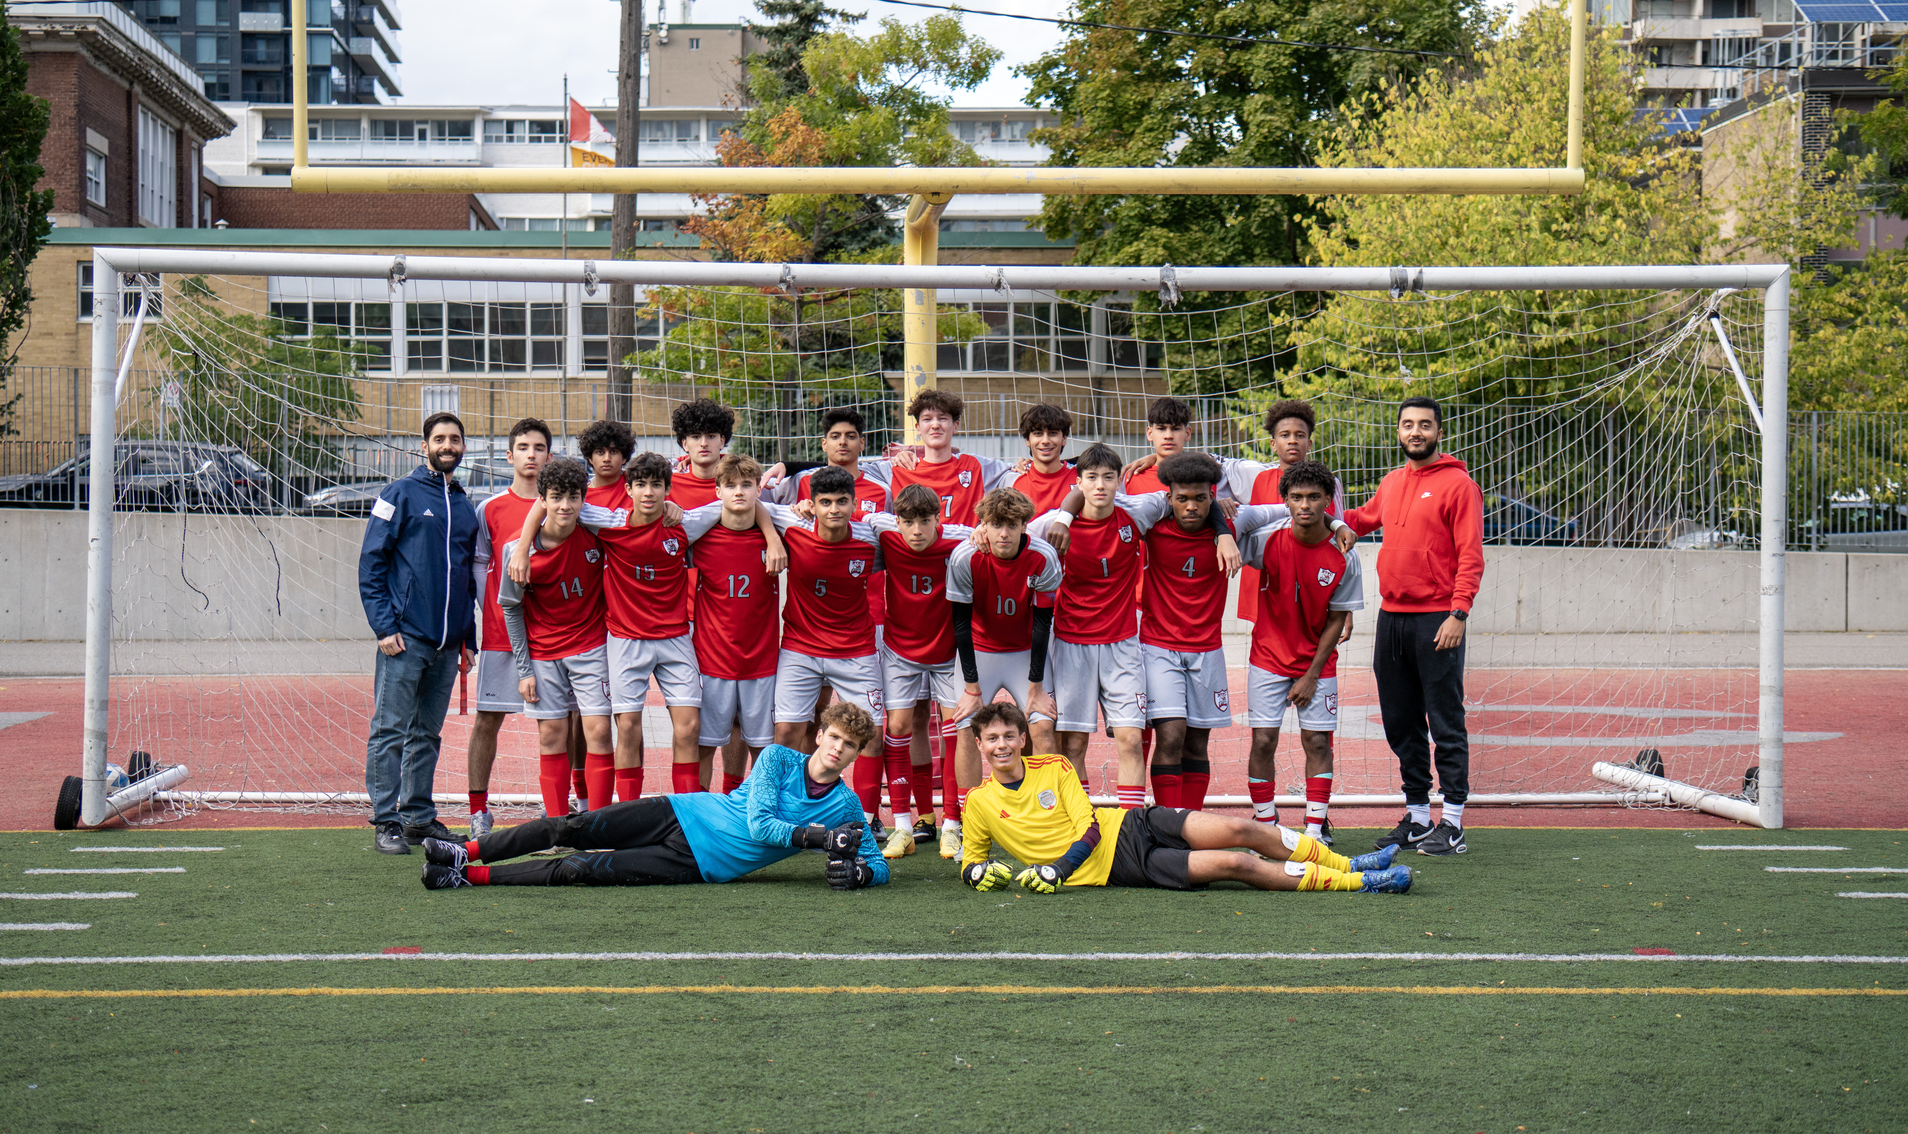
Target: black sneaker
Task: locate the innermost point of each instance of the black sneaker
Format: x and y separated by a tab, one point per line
1447	838
431	830
1406	834
445	853
438	877
924	831
1324	831
391	839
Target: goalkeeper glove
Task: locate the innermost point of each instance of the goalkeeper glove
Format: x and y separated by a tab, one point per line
985	876
1041	879
812	837
849	873
844	840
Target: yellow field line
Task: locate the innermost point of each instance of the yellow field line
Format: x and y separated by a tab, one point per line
930	990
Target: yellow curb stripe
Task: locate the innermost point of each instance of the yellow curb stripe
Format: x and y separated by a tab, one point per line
930	990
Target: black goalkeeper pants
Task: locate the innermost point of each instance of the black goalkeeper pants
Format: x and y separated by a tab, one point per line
1420	685
638	843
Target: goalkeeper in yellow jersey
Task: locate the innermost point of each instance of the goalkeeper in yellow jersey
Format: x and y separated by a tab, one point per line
1036	810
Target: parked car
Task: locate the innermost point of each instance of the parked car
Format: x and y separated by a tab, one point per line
1858	523
152	475
1508	519
481	481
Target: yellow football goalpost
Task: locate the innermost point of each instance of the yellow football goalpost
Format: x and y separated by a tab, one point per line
930	188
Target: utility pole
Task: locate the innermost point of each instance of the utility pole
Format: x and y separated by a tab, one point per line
622	296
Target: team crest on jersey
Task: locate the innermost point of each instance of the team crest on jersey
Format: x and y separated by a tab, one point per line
671	545
593	555
967	478
1126	534
1221	701
1325	577
857	566
1049	800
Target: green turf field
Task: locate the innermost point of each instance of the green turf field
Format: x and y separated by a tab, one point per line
1540	1042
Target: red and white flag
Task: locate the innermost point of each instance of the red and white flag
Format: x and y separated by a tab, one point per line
584	127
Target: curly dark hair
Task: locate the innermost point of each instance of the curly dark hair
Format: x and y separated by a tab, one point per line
842	415
606	435
1189	469
704	415
1290	408
850	720
831	481
1046	416
1309	474
936	399
561	477
650	467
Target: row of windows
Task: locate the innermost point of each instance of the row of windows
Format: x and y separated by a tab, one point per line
517	131
382	129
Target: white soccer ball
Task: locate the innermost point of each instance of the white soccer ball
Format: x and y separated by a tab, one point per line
116	779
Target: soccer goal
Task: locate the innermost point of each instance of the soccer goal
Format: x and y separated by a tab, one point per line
1626	649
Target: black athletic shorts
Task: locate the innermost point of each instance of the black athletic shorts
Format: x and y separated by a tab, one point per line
1152	850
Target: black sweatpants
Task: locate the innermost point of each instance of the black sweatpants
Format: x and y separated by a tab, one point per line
645	846
1419	684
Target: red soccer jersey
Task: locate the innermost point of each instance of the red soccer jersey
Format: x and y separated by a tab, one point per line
1047	490
1103	563
960	483
871	496
1297	587
1265	490
737	632
500	518
1185	591
1003	591
689	491
826	614
922	629
563	605
647	583
1144	481
612	495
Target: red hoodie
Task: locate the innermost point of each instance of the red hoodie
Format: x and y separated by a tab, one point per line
1432	557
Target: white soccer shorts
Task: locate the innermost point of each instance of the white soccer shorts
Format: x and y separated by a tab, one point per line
497	683
1003	671
799	680
905	683
1188	686
750	700
1107	679
671	661
579	682
1267	694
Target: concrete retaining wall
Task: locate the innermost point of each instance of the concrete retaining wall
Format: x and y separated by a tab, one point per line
200	577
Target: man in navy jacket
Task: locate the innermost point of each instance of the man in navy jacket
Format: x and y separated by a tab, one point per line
415	578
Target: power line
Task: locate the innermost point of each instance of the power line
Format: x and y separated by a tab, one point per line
1184	34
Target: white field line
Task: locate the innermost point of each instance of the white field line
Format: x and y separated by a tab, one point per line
1837	869
142	850
1869	894
108	870
70	894
7	925
1549	958
1762	847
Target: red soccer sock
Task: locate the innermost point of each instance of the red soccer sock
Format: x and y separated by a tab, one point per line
629	783
1318	797
922	779
579	780
899	759
1132	796
731	783
553	776
478	875
685	778
479	801
950	792
867	777
1168	783
1192	786
599	775
1262	791
470	848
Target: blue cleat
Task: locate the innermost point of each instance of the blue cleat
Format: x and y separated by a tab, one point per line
1376	860
1395	880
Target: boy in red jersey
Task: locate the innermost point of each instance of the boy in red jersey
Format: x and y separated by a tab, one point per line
917	657
703	428
737	630
1002	596
1309	585
556	632
1168	429
1049	476
958	479
499	519
1291	426
843	442
606	447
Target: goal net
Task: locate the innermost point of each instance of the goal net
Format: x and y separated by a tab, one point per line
1616	440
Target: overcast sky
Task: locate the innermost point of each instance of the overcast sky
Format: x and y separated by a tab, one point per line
480	51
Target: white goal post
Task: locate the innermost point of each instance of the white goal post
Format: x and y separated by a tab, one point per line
1770	281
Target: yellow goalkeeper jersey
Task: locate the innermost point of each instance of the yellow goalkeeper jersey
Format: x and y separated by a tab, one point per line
1038	820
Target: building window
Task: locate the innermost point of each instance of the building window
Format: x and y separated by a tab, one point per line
1047	337
214	13
212	48
262	50
218	85
473	338
95	176
158	171
522	131
366	325
131	287
672	129
161	12
258	87
695	44
452	130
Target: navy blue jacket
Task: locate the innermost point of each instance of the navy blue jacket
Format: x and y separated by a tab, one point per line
415	572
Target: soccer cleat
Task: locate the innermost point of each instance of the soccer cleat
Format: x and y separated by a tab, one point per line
440	877
1447	838
432	830
1376	860
391	839
1406	833
950	842
1324	831
481	823
900	844
1395	880
924	831
445	853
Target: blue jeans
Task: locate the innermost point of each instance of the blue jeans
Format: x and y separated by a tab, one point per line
411	693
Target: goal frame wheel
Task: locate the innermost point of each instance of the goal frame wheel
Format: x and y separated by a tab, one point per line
66	809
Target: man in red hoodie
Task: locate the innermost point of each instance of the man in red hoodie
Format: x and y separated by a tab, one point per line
1429	568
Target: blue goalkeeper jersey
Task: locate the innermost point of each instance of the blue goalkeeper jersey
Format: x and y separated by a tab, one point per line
750	828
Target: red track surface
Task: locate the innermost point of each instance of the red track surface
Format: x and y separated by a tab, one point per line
306	734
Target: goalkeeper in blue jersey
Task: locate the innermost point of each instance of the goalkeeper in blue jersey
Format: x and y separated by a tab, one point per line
790	802
1036	810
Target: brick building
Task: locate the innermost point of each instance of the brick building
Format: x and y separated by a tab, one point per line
243	203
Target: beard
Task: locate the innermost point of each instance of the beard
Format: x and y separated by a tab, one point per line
1430	449
445	461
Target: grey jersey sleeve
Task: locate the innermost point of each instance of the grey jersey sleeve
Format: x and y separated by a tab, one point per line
1237	476
1147	509
1350	593
596	517
510	597
960	573
697	522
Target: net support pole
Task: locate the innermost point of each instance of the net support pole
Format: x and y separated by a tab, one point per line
1775	527
920	332
99	543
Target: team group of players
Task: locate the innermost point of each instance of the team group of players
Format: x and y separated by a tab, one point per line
920	588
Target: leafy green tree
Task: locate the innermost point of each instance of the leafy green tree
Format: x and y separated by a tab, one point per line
24	223
795	24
